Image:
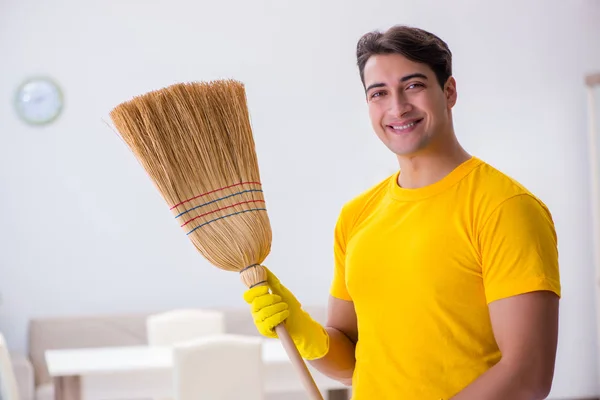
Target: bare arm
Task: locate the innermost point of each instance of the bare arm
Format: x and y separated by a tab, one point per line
341	326
526	330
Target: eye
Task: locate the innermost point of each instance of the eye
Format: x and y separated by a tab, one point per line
415	85
378	93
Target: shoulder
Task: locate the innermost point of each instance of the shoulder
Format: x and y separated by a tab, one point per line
495	190
359	205
499	195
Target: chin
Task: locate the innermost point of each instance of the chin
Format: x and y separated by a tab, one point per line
408	150
405	153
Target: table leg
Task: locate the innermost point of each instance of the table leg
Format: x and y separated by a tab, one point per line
338	394
67	388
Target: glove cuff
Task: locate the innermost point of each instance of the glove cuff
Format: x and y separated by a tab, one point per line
314	343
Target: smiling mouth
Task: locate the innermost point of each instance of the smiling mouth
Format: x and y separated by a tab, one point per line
404	128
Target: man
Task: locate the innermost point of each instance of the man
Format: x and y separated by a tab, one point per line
446	280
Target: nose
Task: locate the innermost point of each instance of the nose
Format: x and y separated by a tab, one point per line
399	106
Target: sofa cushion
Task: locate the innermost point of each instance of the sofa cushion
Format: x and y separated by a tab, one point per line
86	331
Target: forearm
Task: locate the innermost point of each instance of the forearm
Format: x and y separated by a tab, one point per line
502	382
339	361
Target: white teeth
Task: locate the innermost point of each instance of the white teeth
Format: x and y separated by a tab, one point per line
402	127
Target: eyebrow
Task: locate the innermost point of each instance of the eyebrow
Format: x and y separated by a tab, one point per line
403	79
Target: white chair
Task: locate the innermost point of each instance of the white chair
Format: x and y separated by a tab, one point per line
8	381
171	327
224	367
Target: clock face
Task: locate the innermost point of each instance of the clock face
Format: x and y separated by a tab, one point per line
39	101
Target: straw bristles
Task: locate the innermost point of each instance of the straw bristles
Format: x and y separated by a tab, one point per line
195	142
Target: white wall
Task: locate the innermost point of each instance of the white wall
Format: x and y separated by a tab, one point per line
82	229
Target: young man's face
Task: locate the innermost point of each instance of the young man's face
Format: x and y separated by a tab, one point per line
409	110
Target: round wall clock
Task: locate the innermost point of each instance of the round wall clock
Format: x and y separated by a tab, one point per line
39	101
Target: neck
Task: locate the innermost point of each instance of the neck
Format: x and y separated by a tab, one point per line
426	168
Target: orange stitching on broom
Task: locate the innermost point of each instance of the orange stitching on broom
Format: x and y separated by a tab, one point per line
222	208
225	216
219	199
212	191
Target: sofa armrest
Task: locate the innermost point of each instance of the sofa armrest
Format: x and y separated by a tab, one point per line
24	373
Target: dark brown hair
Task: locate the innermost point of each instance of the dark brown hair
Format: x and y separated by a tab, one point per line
415	44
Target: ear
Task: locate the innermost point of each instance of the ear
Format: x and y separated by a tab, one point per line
450	92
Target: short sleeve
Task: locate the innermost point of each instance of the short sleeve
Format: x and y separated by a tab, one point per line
519	250
338	287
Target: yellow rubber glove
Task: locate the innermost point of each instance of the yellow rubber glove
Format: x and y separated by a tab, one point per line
271	309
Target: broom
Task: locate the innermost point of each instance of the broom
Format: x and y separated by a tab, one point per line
195	142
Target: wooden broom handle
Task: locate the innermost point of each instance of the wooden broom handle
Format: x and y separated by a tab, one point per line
259	275
298	363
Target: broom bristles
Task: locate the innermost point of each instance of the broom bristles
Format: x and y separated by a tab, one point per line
195	142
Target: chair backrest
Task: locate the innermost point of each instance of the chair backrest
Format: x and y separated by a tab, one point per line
171	327
224	367
8	381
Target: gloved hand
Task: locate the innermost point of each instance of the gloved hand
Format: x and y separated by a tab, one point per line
271	309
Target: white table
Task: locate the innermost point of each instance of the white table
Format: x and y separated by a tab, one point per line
117	373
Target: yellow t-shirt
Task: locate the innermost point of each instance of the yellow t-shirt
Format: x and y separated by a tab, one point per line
422	265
